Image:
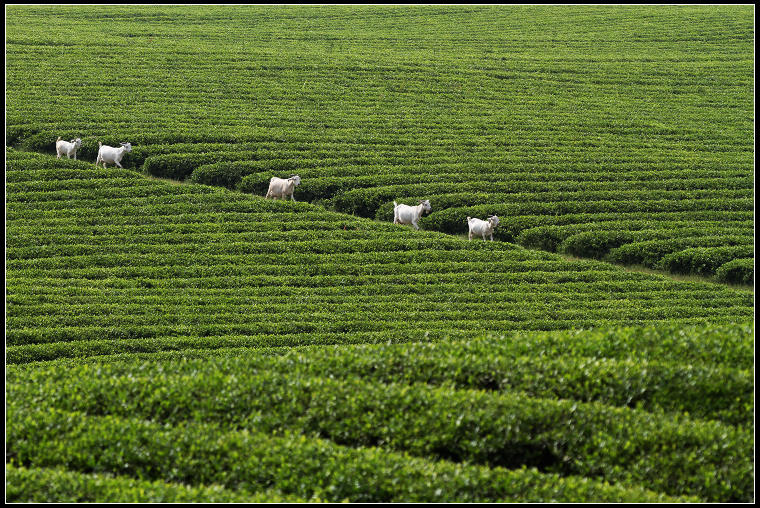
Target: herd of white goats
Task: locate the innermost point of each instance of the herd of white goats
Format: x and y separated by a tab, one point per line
284	187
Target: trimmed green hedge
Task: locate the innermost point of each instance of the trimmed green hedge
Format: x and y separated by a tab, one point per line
704	260
594	244
179	166
54	485
738	271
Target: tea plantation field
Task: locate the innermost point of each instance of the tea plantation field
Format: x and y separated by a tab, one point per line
623	133
172	336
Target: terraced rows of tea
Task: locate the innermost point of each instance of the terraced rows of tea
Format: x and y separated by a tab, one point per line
173	336
617	133
146	334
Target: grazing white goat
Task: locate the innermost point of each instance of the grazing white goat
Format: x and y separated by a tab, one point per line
482	227
405	214
110	154
67	147
283	187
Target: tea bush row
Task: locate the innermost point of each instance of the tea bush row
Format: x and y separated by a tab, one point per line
738	271
57	485
597	244
663	381
453	220
145	293
550	237
205	453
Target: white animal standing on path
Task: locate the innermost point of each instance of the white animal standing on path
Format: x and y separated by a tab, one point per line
67	147
405	214
110	154
482	227
282	187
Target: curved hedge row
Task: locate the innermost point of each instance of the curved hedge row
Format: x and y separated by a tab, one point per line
597	244
738	271
705	260
550	237
180	166
57	485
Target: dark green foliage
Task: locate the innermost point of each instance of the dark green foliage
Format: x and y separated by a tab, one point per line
704	260
256	183
654	253
546	238
594	244
179	166
15	133
738	271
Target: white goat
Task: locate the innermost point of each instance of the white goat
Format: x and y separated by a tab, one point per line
482	227
283	187
110	154
67	147
405	214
